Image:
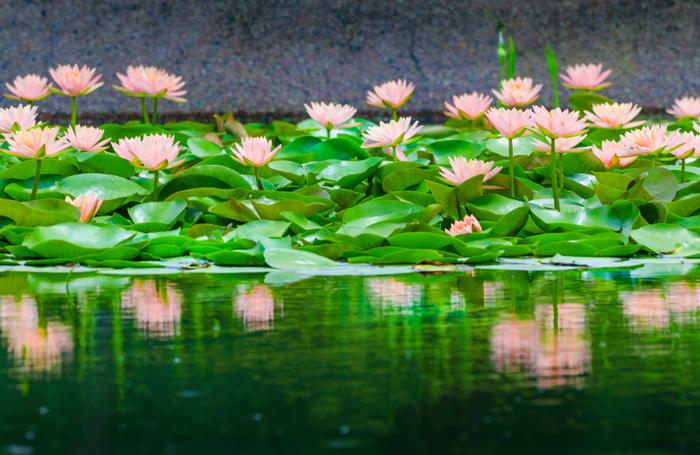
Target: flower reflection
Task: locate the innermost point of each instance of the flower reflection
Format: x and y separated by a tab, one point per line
36	347
654	308
256	307
684	301
392	293
157	307
552	347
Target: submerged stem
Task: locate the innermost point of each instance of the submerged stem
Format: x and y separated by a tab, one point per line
73	111
553	176
154	119
155	185
37	176
511	168
144	111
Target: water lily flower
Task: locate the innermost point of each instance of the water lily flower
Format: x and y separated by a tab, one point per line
557	123
682	144
586	77
151	82
86	138
614	115
36	143
391	134
74	80
464	169
390	95
561	145
648	140
518	92
17	118
89	204
30	88
686	107
510	123
255	152
464	226
609	154
154	152
469	106
331	115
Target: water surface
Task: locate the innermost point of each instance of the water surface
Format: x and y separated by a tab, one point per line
484	362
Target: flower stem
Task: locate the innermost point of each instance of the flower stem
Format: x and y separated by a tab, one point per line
155	185
560	161
144	111
37	176
154	119
258	181
553	176
683	170
328	132
511	168
393	152
73	111
394	114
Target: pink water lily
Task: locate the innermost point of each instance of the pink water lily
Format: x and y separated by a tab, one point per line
682	145
89	204
614	115
86	138
30	88
518	92
463	169
464	226
153	152
391	94
331	115
151	82
586	77
255	151
469	106
557	123
36	143
17	118
648	140
686	107
75	80
390	134
561	145
510	123
609	154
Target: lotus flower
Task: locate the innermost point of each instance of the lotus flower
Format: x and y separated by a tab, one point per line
17	118
609	154
36	143
586	77
464	169
30	88
74	80
682	144
561	145
392	94
89	204
151	82
557	123
518	92
615	115
465	226
153	152
644	141
331	115
255	151
86	138
510	123
469	106
686	107
390	134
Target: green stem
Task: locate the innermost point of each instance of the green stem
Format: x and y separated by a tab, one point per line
154	119
653	161
257	178
394	114
560	161
73	111
328	132
511	168
553	176
37	176
393	152
155	185
683	170
144	111
459	206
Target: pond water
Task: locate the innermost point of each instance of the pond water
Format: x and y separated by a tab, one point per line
497	361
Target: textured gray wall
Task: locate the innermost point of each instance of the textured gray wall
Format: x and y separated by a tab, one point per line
272	56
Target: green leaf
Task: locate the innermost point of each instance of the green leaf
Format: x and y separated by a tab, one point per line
522	146
75	240
26	169
157	216
666	238
107	186
212	176
348	174
105	163
584	100
282	258
42	212
444	149
203	148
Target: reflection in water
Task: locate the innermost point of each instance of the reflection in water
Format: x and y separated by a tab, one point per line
514	345
655	308
157	306
255	306
391	293
35	345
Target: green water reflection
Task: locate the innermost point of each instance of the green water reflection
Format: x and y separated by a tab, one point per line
488	361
